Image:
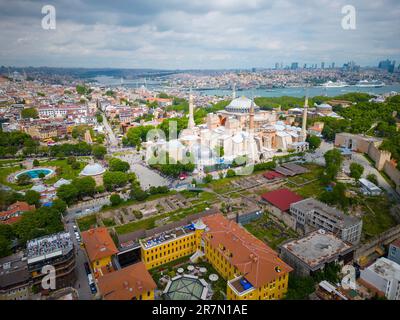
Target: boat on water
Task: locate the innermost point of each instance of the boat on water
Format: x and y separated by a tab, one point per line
371	84
337	84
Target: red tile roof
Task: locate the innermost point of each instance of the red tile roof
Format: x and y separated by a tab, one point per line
13	214
127	283
281	198
98	244
252	257
271	175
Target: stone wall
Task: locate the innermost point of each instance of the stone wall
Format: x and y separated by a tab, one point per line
283	216
380	157
383	239
393	173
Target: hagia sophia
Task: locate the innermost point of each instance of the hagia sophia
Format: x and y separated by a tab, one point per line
241	129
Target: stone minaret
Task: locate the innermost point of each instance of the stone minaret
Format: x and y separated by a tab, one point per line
191	123
234	91
303	135
251	122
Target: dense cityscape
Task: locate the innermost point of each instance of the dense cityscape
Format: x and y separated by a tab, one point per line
210	184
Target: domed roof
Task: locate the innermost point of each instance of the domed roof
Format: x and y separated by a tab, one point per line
93	169
241	105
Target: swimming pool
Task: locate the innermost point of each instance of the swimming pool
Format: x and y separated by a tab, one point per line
34	173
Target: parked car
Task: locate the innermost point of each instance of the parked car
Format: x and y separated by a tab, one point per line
93	288
87	268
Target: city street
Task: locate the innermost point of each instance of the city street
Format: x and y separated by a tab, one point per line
81	284
110	134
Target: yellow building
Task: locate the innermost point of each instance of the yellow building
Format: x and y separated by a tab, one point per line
252	269
100	249
131	283
171	245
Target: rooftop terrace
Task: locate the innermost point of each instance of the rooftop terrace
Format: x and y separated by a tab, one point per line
166	236
49	247
318	247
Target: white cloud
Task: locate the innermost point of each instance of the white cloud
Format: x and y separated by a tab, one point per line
198	33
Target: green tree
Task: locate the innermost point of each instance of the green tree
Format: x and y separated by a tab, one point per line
373	178
86	186
33	198
68	193
299	288
24	179
44	221
36	163
112	180
138	194
336	197
115	199
5	247
99	151
118	165
76	165
208	178
71	160
6	237
219	151
314	142
29	113
59	205
356	170
333	163
230	173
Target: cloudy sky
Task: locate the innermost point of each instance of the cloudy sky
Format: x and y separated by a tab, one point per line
184	34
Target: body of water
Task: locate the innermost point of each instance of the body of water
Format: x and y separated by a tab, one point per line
300	92
251	93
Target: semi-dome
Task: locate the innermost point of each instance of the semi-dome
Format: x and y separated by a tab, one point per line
241	105
93	169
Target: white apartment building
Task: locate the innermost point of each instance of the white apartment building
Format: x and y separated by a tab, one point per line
384	275
311	214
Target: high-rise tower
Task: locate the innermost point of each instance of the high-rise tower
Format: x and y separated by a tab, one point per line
191	123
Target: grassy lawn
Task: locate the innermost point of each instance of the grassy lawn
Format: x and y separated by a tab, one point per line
137	225
4	162
312	189
5	172
67	171
87	222
108	222
150	223
379	219
204	196
269	231
223	185
133	201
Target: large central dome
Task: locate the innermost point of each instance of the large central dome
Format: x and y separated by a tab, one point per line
241	105
93	170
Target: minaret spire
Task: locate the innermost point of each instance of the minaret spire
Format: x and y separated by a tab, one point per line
304	123
191	123
251	122
234	91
